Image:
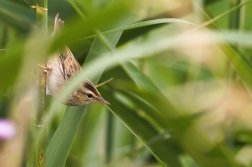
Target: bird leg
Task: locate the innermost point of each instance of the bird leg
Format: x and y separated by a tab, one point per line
45	69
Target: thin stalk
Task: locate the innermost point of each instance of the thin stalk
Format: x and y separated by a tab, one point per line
233	78
109	138
242	16
234	22
41	146
234	16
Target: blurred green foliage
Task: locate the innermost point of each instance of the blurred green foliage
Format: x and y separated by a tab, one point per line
180	94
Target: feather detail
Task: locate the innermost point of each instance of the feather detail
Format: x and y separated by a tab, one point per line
90	86
69	65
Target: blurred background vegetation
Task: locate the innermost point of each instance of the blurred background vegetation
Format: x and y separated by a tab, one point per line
180	94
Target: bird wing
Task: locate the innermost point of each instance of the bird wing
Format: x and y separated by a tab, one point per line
68	64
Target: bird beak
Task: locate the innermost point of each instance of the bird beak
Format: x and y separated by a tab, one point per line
104	102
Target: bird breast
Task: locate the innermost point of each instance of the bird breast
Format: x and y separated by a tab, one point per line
55	79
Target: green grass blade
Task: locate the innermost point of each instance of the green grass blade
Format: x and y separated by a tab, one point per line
195	144
61	142
141	48
144	131
143	24
240	65
85	147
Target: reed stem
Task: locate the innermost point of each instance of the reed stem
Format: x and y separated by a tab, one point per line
41	146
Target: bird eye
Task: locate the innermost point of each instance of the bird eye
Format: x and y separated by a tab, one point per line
89	95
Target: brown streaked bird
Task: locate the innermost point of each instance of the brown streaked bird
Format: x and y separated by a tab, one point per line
61	68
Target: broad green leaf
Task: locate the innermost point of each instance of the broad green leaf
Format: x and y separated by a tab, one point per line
141	48
144	131
196	144
54	155
62	140
120	141
85	145
150	114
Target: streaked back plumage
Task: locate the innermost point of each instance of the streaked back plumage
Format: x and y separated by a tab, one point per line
64	67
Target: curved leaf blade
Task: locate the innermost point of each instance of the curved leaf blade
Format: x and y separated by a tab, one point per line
197	145
54	155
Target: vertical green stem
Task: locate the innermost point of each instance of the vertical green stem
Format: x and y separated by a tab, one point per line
234	16
234	23
41	12
109	138
232	77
